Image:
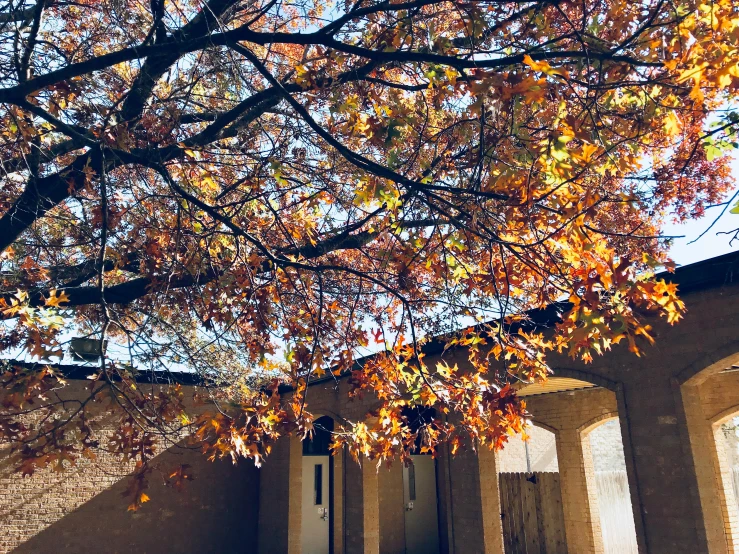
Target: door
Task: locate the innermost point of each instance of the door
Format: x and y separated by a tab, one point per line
419	494
314	528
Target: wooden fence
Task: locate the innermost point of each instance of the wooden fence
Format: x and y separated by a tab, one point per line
531	508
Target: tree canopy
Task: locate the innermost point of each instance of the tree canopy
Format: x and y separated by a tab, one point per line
264	191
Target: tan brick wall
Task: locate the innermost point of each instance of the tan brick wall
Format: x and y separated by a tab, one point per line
392	513
607	447
709	403
542	452
280	510
82	509
663	427
490	501
662	477
705	462
663	480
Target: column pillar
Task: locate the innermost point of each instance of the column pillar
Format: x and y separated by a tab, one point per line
665	485
371	512
444	494
469	501
362	502
338	515
492	525
392	509
280	498
579	494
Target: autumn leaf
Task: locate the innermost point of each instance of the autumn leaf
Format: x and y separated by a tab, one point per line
55	299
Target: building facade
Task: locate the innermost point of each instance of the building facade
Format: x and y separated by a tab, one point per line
670	408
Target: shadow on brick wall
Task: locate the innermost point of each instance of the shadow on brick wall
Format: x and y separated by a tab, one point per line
216	512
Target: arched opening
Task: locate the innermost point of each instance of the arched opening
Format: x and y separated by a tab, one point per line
591	470
530	493
726	437
617	527
318	506
711	402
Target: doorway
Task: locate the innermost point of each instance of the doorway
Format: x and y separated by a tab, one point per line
419	496
317	493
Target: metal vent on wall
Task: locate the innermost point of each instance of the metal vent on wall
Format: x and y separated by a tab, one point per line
87	350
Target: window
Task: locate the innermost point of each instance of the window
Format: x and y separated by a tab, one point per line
318	485
411	482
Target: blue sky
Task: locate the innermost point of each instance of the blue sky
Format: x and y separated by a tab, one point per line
711	244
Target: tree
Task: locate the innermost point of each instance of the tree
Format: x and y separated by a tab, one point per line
263	191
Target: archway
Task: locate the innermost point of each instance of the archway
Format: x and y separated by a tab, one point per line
530	493
574	406
711	402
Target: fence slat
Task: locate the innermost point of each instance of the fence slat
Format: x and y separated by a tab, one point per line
507	513
541	483
558	526
520	534
530	522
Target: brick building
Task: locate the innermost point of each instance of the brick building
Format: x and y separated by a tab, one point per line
669	409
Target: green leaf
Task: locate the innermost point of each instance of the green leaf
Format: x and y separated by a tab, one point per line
712	152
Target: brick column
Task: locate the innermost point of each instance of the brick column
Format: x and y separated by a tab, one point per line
469	502
579	494
444	494
392	509
371	508
492	526
362	501
339	461
665	491
280	498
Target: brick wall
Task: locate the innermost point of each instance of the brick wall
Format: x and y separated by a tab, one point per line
82	509
392	512
542	452
607	448
571	415
643	392
714	401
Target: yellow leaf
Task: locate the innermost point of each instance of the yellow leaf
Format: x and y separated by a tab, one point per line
672	124
54	299
208	183
542	66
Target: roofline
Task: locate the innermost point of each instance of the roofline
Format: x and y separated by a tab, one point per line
75	372
706	274
703	275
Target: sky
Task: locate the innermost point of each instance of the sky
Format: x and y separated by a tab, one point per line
684	251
